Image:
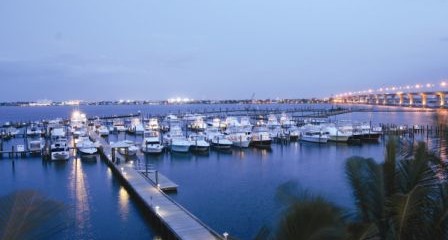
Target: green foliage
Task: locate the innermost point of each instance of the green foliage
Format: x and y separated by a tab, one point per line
405	199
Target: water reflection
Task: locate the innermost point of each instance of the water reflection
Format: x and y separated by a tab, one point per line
123	200
78	186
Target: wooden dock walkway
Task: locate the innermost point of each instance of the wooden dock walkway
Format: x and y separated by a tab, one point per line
176	219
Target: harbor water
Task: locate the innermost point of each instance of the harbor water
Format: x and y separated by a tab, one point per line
230	191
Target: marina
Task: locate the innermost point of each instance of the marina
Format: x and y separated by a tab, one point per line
157	172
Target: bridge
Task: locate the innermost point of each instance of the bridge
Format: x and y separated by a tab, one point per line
418	95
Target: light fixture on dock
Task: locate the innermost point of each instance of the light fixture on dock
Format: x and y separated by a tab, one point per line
225	234
157	209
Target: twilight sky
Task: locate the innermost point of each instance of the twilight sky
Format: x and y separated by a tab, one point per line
217	49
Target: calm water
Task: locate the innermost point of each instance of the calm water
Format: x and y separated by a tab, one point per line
233	192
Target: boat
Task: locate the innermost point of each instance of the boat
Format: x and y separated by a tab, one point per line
176	140
198	124
58	132
198	143
136	127
237	135
85	146
260	136
78	123
151	142
366	133
292	132
12	131
314	136
152	125
103	131
336	134
33	130
59	150
220	142
129	149
118	125
36	146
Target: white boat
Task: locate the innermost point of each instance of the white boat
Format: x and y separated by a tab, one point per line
129	149
57	133
365	132
103	131
245	124
237	135
335	134
286	121
292	132
136	127
176	140
217	123
260	136
118	125
198	143
59	150
152	125
312	133
36	146
151	142
33	130
198	124
78	123
219	141
12	131
85	146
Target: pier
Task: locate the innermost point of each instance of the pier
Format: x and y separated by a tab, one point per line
178	222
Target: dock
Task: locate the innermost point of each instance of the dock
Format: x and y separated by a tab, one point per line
178	222
159	180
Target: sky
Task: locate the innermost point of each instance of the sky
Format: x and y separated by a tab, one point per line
217	49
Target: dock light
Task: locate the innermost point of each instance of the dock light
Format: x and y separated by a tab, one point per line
225	234
122	169
131	162
157	209
158	186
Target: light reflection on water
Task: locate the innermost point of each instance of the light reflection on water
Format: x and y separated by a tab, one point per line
123	199
79	192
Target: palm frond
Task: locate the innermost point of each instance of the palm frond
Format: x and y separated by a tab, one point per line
366	179
29	215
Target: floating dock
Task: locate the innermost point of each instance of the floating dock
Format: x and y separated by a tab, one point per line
178	221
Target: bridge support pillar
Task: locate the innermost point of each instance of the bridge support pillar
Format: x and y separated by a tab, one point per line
411	99
441	96
400	99
424	99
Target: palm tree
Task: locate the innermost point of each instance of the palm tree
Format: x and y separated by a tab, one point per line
397	199
29	215
306	216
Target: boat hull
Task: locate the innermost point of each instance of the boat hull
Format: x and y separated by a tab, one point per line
180	148
241	144
152	149
338	138
198	148
60	156
369	137
314	139
261	144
